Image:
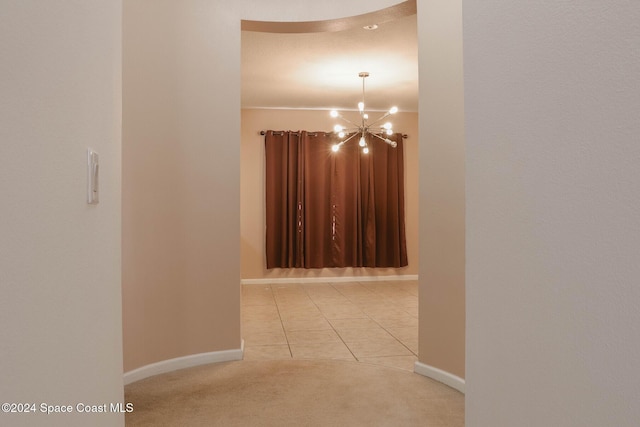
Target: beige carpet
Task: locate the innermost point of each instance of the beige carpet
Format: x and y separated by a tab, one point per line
293	393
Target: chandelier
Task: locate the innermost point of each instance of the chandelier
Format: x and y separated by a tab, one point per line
380	131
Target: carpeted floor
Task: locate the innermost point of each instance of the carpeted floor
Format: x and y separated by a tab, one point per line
293	393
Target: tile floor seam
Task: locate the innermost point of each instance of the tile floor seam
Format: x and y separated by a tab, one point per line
275	300
382	297
378	323
394	336
332	327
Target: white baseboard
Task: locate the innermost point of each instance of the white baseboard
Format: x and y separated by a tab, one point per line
439	375
278	280
183	362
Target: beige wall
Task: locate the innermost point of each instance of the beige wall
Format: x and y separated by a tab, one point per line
442	189
181	193
553	233
252	191
60	93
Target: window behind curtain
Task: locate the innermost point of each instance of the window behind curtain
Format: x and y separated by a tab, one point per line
326	209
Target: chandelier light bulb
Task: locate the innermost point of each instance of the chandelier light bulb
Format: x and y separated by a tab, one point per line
337	128
387	125
335	148
393	110
362	142
361	106
366	116
389	131
365	150
333	113
341	134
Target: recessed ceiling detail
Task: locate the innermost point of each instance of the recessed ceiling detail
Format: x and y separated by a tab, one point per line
400	10
315	70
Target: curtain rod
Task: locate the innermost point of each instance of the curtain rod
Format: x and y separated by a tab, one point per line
263	132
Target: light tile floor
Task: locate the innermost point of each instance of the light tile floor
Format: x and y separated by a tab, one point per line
368	322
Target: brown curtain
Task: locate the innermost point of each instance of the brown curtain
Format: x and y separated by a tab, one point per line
326	209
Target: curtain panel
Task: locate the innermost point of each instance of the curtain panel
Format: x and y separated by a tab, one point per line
326	209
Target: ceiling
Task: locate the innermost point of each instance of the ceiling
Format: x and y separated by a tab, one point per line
315	65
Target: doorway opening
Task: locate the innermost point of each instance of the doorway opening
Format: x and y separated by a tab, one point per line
293	74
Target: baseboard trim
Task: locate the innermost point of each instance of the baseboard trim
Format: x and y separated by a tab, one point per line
439	375
183	362
282	280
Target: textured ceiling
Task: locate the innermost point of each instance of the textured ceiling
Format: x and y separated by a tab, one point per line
319	70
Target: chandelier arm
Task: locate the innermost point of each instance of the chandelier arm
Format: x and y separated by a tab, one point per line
381	118
348	121
349	138
386	140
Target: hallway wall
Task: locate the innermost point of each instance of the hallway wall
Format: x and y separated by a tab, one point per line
553	212
180	223
60	308
442	187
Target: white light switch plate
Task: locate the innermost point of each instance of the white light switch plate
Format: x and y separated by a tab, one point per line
93	172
